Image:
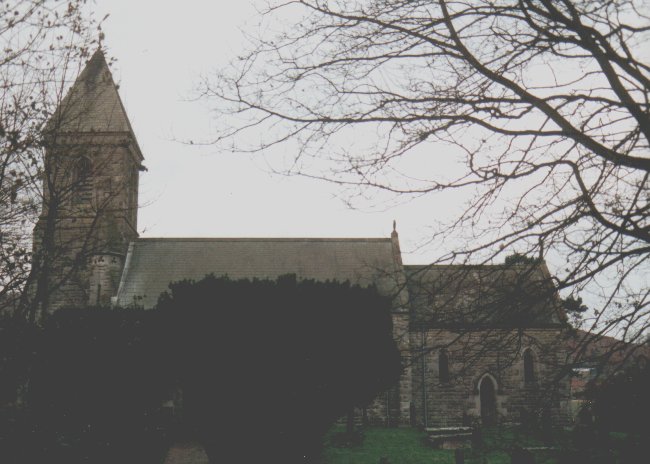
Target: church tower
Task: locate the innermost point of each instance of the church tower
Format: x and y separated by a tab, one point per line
90	194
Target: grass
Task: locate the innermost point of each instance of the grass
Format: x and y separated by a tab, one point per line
405	446
408	446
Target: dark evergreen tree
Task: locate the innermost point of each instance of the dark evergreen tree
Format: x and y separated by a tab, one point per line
97	388
268	366
265	368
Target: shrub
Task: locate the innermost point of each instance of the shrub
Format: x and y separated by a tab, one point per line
277	362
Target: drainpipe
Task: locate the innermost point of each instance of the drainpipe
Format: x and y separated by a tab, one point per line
424	387
387	408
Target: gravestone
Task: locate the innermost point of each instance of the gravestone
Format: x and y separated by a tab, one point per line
186	453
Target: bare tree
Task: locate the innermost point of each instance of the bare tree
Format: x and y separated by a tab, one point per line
42	45
546	103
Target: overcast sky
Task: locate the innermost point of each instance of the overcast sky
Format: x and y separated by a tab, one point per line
162	48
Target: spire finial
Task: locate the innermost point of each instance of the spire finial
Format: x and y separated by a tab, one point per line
394	225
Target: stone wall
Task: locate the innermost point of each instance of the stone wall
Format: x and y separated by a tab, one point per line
89	220
393	407
497	354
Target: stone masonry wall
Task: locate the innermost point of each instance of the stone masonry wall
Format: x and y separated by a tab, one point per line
392	408
95	218
497	353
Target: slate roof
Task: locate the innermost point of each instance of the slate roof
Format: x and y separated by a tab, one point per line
593	349
152	263
483	295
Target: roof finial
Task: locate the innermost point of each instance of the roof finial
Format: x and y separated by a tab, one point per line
394	239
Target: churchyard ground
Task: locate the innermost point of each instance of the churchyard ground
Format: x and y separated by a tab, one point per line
408	446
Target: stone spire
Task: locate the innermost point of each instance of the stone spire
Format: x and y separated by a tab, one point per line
92	104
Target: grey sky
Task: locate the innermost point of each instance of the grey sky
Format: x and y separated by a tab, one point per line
162	48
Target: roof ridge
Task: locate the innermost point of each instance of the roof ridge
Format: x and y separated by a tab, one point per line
503	265
265	239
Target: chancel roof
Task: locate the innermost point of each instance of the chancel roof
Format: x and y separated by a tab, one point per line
520	295
153	263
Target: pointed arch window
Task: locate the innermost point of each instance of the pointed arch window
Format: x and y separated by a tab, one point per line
443	366
487	390
529	366
82	170
81	175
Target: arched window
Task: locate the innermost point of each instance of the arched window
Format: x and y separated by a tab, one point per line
488	397
443	366
81	177
82	170
529	366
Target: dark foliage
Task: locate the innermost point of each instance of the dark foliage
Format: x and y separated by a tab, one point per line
518	258
265	368
268	366
97	387
614	425
573	305
16	354
622	403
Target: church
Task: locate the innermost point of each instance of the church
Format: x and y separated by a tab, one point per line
478	343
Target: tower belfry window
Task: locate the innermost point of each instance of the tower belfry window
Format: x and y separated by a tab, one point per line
81	181
82	169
